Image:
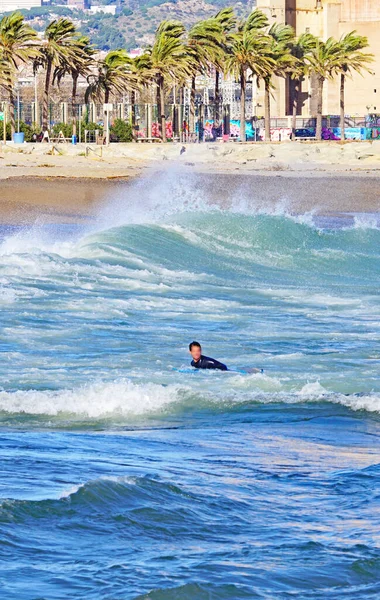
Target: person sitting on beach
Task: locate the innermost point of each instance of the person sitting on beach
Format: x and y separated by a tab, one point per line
203	362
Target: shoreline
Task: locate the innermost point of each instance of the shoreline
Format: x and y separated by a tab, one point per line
327	178
65	200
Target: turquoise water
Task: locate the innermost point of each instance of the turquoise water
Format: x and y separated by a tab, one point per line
125	474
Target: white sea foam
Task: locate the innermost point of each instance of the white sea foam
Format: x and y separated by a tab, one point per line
366	221
124	399
93	401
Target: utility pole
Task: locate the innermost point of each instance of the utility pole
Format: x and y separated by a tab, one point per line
36	115
5	123
18	107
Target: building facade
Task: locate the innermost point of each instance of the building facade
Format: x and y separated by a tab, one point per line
325	18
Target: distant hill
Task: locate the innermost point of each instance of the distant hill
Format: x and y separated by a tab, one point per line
140	18
137	22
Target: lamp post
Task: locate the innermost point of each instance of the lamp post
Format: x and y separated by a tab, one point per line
17	88
36	116
4	115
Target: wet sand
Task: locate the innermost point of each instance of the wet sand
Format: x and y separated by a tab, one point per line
23	200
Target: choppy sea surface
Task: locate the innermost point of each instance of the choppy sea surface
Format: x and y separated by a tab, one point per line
127	475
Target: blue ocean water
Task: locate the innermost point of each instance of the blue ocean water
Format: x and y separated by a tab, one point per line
127	475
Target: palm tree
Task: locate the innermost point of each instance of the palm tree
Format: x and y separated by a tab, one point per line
247	53
278	51
226	18
205	47
323	61
17	45
83	53
115	74
350	59
300	69
58	51
164	63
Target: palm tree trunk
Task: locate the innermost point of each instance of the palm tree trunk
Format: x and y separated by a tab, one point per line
217	98
45	104
106	96
192	106
133	102
342	124
161	107
12	111
158	101
318	133
297	89
267	110
163	117
243	85
73	102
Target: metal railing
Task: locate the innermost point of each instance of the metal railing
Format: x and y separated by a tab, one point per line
206	122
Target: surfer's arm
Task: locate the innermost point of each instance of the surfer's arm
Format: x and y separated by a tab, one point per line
215	364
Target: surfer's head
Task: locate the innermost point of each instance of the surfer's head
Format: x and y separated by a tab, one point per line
195	350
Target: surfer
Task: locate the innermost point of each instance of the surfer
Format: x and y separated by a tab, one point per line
203	362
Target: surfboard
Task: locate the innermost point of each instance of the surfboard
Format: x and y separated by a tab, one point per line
246	371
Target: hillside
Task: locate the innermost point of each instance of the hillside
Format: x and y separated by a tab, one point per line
143	20
137	21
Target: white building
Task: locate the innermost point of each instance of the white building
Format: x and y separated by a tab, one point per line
10	5
109	9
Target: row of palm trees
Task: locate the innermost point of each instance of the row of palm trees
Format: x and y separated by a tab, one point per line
245	50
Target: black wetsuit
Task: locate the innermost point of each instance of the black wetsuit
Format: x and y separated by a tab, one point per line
208	363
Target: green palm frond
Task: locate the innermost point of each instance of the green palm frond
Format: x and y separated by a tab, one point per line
115	73
300	48
59	45
324	58
18	44
206	44
351	58
82	60
167	58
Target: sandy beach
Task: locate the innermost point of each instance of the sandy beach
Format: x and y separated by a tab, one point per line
60	184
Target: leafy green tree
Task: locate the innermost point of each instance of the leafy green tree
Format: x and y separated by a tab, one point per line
226	18
299	49
350	59
248	53
79	66
58	51
277	51
166	62
205	47
323	61
18	44
114	74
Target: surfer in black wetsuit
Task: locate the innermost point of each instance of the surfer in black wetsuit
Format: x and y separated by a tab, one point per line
203	362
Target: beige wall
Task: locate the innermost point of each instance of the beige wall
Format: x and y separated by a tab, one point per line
360	10
332	18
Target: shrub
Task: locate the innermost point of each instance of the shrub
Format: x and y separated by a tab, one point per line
122	130
26	129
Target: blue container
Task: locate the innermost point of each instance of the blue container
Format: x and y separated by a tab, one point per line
18	138
74	139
